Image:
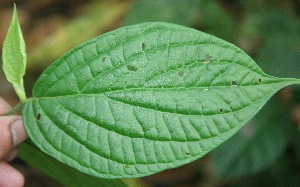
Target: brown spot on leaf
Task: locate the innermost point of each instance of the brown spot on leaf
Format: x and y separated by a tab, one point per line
131	68
180	73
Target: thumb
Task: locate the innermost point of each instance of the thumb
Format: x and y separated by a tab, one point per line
12	133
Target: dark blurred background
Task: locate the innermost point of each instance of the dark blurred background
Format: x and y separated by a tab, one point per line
266	152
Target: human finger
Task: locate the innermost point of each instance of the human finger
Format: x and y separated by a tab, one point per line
9	176
4	106
12	133
12	154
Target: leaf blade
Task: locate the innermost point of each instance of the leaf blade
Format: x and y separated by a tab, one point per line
145	98
59	171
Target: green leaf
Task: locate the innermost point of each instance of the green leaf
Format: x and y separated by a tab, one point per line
14	56
59	171
144	98
257	146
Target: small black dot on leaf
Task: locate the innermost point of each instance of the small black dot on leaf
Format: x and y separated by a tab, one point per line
233	83
180	73
143	46
38	116
260	80
187	153
103	59
131	68
221	110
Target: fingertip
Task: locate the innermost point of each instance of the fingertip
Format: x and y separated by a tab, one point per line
18	132
9	176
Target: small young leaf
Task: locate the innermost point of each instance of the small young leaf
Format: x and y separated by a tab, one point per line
14	56
59	171
162	98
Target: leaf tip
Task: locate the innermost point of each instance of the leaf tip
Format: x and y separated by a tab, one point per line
14	12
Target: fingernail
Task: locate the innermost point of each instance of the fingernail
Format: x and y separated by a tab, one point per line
18	132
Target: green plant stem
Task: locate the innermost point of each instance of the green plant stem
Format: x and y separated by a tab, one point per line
15	109
19	88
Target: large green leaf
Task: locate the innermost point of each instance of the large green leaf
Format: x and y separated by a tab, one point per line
144	98
14	56
61	172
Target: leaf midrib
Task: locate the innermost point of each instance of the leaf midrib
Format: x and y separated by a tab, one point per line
151	108
210	87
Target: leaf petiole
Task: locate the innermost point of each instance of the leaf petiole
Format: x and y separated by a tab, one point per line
15	109
20	91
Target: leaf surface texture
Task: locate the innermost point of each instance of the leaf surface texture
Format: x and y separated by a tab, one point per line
62	173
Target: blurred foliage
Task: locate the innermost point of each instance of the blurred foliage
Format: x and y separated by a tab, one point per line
94	18
279	31
266	152
173	11
217	21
